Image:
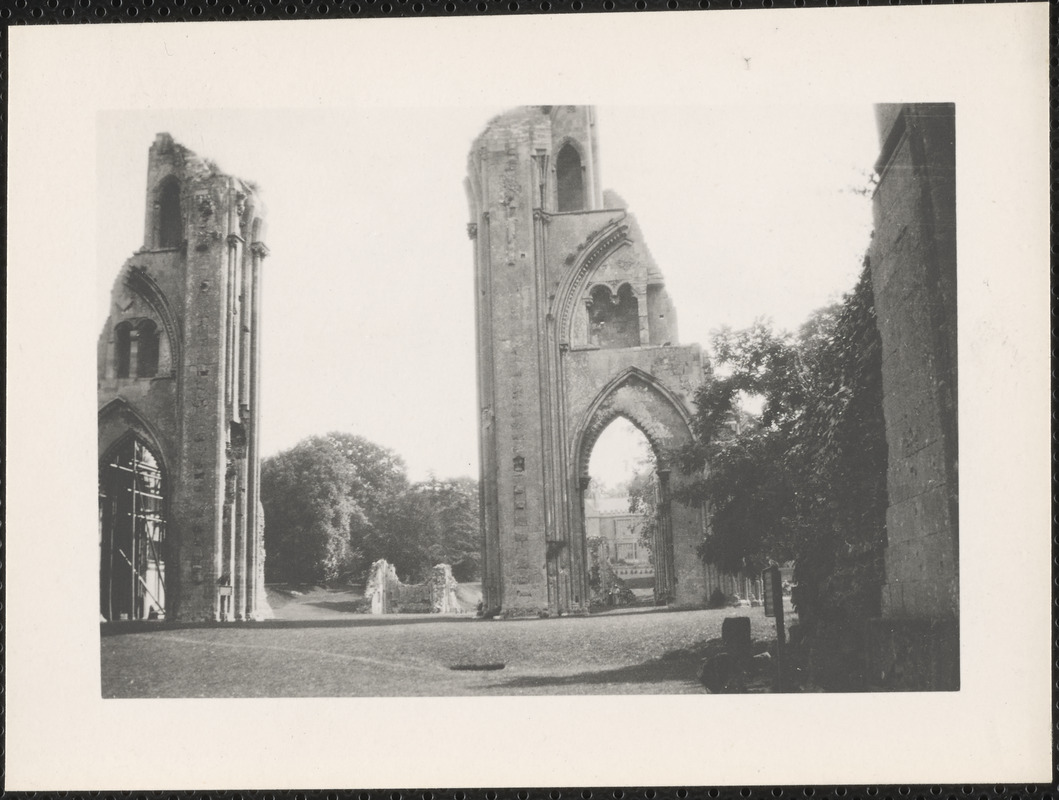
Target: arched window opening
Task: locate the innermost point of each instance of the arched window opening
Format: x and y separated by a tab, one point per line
132	509
136	344
620	516
569	180
146	349
170	220
613	321
123	349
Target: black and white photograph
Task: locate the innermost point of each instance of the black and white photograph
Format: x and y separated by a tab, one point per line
696	403
529	442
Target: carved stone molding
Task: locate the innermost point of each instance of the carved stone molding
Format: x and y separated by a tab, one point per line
138	282
566	298
644	415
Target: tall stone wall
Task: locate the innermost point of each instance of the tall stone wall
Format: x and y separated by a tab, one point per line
197	279
913	268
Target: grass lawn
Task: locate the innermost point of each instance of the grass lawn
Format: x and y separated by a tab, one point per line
319	647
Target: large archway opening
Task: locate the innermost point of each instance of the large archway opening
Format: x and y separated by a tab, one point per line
132	511
620	512
661	418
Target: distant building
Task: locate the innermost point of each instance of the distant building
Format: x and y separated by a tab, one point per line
620	532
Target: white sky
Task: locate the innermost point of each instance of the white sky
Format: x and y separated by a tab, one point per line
620	452
747	210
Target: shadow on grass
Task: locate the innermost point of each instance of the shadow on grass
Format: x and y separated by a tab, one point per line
678	666
343	606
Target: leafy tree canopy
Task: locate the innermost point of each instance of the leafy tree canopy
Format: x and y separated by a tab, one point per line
805	479
309	511
643	499
336	503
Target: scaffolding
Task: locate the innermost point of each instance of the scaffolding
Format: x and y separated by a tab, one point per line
131	534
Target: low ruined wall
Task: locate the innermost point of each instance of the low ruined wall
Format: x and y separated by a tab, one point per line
442	588
388	595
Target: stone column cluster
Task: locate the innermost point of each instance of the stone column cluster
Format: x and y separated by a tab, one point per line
243	552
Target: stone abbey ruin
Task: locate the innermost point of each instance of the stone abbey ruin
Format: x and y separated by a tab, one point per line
574	329
180	521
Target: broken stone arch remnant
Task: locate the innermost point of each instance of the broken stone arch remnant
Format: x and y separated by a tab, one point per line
575	328
178	384
388	595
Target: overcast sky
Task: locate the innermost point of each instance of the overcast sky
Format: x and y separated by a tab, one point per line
368	297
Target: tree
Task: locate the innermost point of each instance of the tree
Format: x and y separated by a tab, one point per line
378	483
428	523
643	499
807	479
399	532
379	474
841	441
454	532
335	504
746	479
308	512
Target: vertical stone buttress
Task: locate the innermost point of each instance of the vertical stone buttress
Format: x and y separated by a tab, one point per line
257	603
913	268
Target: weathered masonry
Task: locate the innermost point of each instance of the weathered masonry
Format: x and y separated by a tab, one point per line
574	329
180	520
913	267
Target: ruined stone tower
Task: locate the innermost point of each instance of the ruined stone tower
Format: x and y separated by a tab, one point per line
574	328
180	522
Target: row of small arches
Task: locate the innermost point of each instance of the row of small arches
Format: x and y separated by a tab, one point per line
613	319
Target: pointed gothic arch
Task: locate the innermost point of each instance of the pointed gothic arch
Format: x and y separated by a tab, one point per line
119	418
133	511
648	412
591	253
569	178
665	422
138	280
169	227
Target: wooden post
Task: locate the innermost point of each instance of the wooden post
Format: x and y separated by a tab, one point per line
773	601
777	593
